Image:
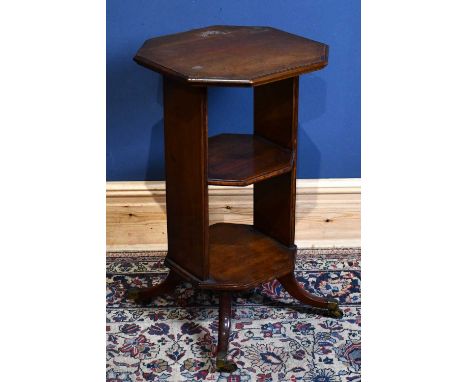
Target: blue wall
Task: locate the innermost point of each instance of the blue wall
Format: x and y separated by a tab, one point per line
329	108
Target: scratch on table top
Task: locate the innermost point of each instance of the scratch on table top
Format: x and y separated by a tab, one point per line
212	33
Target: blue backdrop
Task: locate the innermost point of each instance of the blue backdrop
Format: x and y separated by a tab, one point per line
329	107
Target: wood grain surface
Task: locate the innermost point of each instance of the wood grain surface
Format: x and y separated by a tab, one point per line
232	55
243	159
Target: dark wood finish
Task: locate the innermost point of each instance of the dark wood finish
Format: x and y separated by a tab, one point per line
242	159
329	306
224	330
229	257
146	295
232	55
275	118
242	257
186	141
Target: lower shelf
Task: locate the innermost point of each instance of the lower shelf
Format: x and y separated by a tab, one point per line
242	257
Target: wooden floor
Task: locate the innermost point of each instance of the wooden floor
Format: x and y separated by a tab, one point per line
327	213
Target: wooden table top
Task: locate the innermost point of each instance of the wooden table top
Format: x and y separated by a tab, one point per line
232	55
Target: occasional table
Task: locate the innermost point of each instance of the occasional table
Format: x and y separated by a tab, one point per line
231	257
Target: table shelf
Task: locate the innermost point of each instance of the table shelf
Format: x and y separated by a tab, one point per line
243	159
241	257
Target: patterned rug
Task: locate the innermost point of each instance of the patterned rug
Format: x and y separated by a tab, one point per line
273	337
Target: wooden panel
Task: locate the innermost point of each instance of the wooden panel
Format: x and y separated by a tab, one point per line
327	213
275	112
275	118
232	55
243	159
186	136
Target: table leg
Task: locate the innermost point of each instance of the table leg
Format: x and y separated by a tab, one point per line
330	306
222	364
144	296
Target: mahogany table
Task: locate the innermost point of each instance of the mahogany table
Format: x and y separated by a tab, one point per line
231	257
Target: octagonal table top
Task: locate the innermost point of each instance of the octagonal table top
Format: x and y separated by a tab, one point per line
232	55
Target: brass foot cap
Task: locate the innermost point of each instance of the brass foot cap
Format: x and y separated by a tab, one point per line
333	309
225	366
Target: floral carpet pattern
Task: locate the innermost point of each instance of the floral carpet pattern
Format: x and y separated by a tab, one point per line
273	337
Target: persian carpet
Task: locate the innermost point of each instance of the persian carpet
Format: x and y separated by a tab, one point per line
273	337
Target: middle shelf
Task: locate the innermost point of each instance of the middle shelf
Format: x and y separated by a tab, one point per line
243	159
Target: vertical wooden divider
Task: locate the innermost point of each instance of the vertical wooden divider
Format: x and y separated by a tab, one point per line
186	154
275	118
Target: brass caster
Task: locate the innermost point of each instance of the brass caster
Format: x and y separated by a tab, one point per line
138	296
225	366
333	310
